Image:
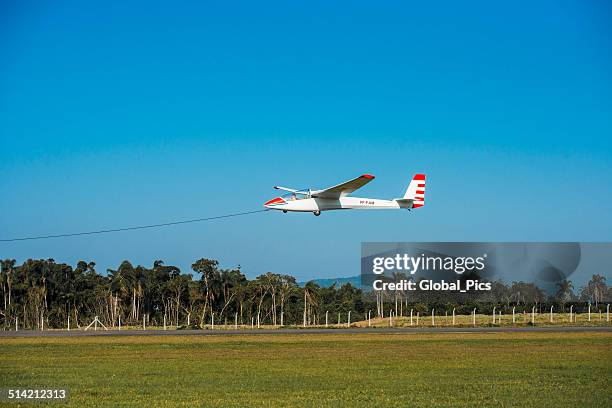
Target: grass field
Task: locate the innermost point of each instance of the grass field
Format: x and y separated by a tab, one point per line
453	370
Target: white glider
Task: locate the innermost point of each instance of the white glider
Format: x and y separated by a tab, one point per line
337	197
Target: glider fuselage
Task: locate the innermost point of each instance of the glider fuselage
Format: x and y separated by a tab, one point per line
325	204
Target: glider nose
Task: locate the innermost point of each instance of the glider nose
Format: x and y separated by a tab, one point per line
275	202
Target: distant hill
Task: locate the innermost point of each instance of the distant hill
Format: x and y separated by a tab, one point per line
325	283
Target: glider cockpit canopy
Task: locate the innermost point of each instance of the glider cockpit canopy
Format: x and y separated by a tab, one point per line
296	195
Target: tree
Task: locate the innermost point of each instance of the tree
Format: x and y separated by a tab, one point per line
208	268
311	302
522	293
595	290
565	293
231	282
286	288
45	290
8	267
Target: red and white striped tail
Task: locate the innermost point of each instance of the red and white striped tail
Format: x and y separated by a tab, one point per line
416	191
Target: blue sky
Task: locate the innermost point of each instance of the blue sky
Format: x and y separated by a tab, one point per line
138	113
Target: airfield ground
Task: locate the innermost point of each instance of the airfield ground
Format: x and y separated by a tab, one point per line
533	369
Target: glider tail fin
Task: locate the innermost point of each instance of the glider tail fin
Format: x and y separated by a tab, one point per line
416	191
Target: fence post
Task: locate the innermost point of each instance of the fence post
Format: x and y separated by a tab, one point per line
513	307
68	322
417	322
474	317
551	315
453	316
326	315
533	315
589	312
349	319
213	321
571	308
390	318
433	319
493	314
236	321
119	322
608	313
369	321
164	322
16	323
411	317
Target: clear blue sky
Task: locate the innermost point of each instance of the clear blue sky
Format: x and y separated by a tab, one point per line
144	112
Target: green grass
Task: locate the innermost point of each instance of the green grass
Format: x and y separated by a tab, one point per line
453	370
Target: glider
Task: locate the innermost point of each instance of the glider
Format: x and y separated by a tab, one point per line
337	197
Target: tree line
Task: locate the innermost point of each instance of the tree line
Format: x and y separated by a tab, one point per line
42	292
